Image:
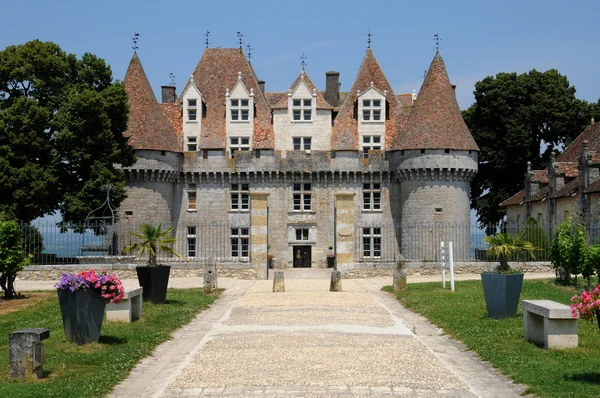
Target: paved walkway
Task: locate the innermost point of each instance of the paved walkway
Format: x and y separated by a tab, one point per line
310	342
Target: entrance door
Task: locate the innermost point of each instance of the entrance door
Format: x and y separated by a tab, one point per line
302	257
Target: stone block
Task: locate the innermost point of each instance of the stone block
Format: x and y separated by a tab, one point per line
549	324
278	282
26	353
128	310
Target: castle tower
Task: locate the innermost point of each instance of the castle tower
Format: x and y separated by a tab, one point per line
437	159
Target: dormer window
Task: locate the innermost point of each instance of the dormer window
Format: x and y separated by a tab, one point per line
302	109
240	110
371	110
192	110
302	144
192	144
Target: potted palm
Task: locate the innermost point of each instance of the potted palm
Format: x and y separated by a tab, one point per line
154	277
502	286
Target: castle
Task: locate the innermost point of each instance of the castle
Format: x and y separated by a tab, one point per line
242	173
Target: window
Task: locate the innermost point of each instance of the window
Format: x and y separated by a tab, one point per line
192	144
372	196
191	194
191	241
240	109
301	233
302	109
192	110
302	197
372	110
238	144
240	243
372	242
371	142
239	197
302	143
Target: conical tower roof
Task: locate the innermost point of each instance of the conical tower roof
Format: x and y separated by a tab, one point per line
147	126
435	121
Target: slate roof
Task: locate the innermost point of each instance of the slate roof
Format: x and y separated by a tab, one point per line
573	151
435	121
216	72
567	190
345	128
321	103
147	127
516	199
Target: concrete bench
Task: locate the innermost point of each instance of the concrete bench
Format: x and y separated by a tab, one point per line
549	323
128	310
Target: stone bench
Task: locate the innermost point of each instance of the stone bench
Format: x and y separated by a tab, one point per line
128	310
549	323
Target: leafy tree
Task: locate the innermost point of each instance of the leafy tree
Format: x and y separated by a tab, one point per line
503	246
513	115
153	241
592	262
61	132
534	233
12	256
568	250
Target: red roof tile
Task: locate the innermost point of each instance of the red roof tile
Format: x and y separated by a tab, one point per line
571	153
345	129
273	98
540	175
567	190
216	72
539	195
405	99
516	199
147	127
321	103
435	121
174	114
593	187
569	169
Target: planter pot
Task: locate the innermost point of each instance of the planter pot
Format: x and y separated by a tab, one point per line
82	314
330	261
271	263
155	281
502	292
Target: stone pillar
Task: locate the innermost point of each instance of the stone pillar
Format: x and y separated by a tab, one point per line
258	232
26	353
399	274
336	281
278	283
210	276
345	230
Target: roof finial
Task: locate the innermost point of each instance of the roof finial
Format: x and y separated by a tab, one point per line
424	73
249	50
240	38
135	38
172	79
239	75
207	35
303	62
369	36
436	39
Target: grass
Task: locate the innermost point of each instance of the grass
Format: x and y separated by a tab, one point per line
566	373
93	370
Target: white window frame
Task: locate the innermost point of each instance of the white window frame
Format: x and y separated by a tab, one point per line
192	144
192	110
370	110
192	193
369	144
240	110
302	144
192	241
371	242
237	144
239	197
302	234
372	196
239	243
302	110
301	196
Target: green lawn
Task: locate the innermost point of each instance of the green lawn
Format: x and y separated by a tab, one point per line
93	370
566	373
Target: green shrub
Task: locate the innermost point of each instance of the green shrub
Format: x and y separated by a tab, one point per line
12	256
532	232
568	250
592	262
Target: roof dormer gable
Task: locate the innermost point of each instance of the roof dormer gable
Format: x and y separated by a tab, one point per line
192	102
371	105
240	102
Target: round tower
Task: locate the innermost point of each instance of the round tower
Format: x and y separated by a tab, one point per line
436	160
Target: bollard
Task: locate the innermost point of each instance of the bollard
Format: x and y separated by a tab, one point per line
210	277
336	281
278	284
26	353
399	274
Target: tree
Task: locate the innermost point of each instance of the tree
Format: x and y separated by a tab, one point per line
153	241
61	133
503	246
12	256
513	115
534	233
568	250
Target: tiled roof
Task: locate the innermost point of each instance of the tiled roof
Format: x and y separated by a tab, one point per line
345	129
540	175
573	151
273	98
567	190
596	158
569	169
147	127
593	187
216	72
539	195
405	99
321	103
435	121
516	199
174	115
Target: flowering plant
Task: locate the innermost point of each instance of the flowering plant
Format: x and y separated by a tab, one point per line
108	286
271	256
587	305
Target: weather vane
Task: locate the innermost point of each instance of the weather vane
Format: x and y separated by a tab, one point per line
303	63
249	50
172	78
437	39
424	73
135	38
240	38
207	35
369	36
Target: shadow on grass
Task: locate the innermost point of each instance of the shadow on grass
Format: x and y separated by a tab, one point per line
588	377
112	340
178	302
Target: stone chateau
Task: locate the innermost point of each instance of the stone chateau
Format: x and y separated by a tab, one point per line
241	172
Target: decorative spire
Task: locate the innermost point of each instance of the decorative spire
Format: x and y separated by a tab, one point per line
436	39
172	79
303	61
369	38
249	51
207	35
135	38
240	39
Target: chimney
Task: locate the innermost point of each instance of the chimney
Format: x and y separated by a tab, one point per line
168	94
261	85
332	88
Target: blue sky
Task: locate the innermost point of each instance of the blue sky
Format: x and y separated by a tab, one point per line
479	38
